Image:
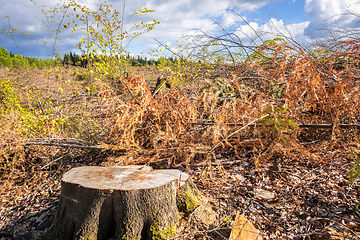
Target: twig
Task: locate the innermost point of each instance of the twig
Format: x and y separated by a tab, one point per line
348	229
301	125
132	95
59	140
236	99
39	212
57	159
11	32
176	54
73	141
325	125
63	145
252	122
224	162
159	88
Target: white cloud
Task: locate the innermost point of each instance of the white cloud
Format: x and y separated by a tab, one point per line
277	27
231	18
151	47
251	5
90	4
324	12
177	18
273	28
248	30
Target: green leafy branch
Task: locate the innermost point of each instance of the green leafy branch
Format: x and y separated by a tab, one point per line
11	32
103	43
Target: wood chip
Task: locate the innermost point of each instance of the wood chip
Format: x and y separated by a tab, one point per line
244	230
264	194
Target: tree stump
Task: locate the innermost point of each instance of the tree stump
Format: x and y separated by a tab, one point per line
118	202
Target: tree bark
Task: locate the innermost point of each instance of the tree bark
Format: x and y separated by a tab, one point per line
119	202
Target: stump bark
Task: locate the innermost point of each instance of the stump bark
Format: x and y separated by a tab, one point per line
119	202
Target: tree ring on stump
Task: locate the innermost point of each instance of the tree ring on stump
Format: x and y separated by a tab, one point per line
118	202
122	177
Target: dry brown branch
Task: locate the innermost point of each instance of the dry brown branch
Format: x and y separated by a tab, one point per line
63	145
252	122
300	125
59	142
33	141
222	162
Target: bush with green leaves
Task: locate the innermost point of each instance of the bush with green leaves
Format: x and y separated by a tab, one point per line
18	61
103	47
23	117
266	52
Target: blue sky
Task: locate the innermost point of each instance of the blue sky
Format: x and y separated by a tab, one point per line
290	11
179	18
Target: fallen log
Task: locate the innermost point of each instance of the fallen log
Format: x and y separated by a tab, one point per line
119	202
300	125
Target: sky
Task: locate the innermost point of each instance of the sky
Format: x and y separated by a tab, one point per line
299	19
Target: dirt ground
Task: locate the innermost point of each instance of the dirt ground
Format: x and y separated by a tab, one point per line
309	200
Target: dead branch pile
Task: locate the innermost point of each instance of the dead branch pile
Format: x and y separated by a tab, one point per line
269	101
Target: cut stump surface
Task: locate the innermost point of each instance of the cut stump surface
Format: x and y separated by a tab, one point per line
118	202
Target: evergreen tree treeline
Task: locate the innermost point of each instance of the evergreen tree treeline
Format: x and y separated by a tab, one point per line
77	60
8	59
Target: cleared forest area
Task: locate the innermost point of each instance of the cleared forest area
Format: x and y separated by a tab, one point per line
274	137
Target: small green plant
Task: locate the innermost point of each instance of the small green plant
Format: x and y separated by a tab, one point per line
82	127
355	170
265	52
158	233
277	91
223	88
220	87
11	31
278	121
184	69
82	76
25	118
354	174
